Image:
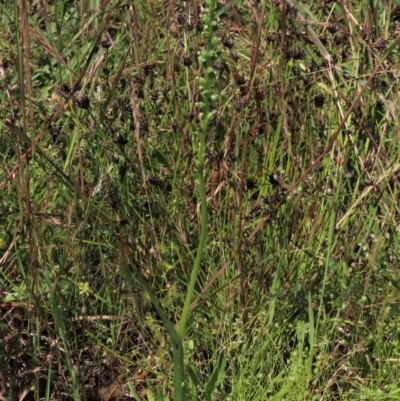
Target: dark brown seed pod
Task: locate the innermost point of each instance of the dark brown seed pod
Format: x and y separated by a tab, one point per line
319	100
275	179
147	69
143	124
239	78
295	53
380	44
120	141
250	183
333	28
218	66
177	67
181	19
234	55
314	66
139	91
83	101
65	88
366	33
340	37
55	131
187	60
243	90
324	39
295	32
214	157
241	104
105	43
344	53
155	180
259	94
227	41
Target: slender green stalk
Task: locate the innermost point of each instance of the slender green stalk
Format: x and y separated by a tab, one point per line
207	58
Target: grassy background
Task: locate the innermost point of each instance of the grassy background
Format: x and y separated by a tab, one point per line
254	143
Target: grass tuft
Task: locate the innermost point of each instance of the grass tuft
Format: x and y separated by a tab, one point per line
199	200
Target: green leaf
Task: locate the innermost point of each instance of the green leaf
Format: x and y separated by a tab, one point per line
158	395
66	287
193	379
215	378
134	393
332	264
160	157
10	298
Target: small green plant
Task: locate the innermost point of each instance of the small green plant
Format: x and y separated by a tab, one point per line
208	97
